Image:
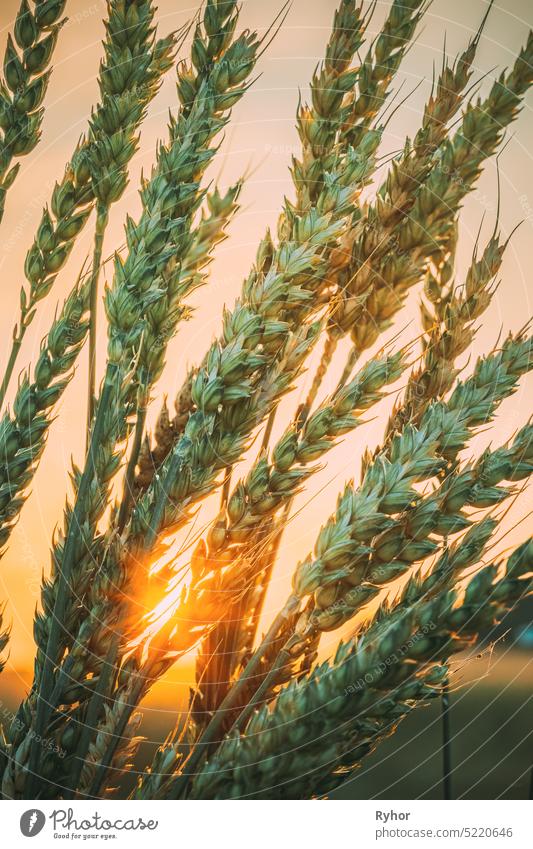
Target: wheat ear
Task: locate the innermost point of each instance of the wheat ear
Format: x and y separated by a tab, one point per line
394	200
443	431
229	365
450	336
378	284
130	76
23	88
23	431
107	144
217	212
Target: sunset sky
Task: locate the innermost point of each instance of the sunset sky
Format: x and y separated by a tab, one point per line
260	141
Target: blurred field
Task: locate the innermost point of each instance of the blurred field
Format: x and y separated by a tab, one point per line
492	737
491	751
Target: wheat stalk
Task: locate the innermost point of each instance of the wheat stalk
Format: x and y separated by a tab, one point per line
394	200
514	103
23	436
82	576
24	433
188	475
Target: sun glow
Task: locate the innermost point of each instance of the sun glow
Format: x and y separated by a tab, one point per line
168	581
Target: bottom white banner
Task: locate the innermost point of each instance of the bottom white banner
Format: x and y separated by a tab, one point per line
356	824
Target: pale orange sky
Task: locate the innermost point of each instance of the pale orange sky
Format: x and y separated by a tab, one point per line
261	139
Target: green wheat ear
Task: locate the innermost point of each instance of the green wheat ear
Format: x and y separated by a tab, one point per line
24	429
129	78
26	60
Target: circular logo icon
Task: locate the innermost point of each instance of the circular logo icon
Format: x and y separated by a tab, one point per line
32	822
